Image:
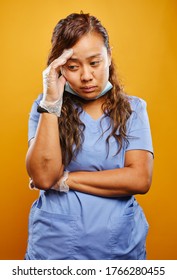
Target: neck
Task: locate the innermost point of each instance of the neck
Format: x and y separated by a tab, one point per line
94	107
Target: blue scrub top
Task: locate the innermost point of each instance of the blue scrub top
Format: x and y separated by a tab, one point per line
77	225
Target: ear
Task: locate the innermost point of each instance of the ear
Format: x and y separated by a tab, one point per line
109	59
110	56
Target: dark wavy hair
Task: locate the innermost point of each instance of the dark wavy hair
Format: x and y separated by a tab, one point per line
66	34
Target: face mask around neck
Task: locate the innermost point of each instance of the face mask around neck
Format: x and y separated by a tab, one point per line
105	90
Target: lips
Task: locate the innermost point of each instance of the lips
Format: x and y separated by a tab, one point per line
88	88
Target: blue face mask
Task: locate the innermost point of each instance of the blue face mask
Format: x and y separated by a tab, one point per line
105	90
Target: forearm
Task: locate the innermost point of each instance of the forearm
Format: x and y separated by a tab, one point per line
44	157
118	182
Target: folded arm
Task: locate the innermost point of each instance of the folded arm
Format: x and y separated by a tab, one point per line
134	178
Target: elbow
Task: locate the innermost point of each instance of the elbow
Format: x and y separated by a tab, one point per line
42	184
43	172
45	180
144	185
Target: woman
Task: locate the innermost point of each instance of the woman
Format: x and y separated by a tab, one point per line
90	152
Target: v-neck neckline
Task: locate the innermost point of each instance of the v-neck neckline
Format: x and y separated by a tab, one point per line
90	118
95	106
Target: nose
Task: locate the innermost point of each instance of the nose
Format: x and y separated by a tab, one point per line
86	74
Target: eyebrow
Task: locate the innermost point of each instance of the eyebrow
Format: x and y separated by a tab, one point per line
90	57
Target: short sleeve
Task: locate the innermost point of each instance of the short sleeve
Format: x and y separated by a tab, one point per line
33	119
138	127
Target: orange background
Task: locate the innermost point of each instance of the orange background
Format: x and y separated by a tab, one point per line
143	36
